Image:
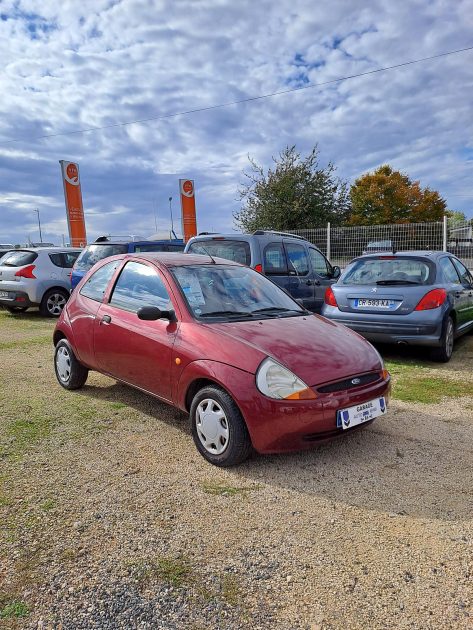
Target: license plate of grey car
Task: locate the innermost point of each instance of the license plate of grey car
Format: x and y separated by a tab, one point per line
374	303
3	294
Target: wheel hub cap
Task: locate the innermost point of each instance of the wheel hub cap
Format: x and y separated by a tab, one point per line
212	426
63	364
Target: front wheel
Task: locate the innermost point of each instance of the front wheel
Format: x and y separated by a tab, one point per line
443	353
53	302
219	431
69	372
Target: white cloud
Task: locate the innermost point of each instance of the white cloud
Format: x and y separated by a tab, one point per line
70	66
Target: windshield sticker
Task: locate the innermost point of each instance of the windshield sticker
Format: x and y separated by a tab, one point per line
192	290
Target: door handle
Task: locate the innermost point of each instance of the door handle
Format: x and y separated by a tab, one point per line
106	319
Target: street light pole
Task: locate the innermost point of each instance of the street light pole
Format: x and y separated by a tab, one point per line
172	223
39	225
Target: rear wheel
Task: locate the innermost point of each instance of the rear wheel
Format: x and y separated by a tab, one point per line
53	302
69	372
17	309
218	428
443	353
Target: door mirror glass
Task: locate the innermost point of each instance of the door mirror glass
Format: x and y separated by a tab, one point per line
336	271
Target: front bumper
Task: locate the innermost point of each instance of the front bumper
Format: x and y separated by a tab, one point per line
277	426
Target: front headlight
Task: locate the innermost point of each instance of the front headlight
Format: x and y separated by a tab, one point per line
276	381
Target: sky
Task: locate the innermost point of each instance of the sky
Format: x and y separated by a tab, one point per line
68	66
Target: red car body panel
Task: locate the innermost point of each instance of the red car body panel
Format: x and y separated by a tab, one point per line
167	358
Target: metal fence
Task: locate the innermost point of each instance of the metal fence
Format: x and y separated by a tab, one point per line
341	244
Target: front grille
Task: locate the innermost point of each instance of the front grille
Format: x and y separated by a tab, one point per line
347	383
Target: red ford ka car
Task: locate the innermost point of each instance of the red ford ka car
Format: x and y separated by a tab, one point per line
219	340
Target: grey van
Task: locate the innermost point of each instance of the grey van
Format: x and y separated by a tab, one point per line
290	261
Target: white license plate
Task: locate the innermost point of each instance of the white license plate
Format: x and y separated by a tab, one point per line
352	416
369	303
4	294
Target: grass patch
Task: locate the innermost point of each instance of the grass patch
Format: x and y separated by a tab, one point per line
413	383
220	489
26	343
175	571
118	405
47	505
230	590
14	609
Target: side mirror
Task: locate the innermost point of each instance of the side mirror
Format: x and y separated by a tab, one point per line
153	313
336	271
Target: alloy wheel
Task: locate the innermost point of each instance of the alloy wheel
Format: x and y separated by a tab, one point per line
55	303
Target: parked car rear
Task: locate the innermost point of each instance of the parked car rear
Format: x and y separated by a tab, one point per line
36	277
416	298
108	246
290	261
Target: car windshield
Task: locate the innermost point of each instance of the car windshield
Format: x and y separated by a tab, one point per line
231	292
93	253
238	251
388	270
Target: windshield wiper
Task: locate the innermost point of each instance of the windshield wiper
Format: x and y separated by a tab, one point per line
226	314
277	309
385	282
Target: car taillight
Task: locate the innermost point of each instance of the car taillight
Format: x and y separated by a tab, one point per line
258	268
432	299
330	298
26	272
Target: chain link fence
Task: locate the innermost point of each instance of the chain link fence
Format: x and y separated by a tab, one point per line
341	244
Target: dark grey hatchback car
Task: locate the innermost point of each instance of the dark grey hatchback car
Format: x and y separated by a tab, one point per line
417	298
290	261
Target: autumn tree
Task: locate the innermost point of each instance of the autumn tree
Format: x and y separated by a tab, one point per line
295	193
389	196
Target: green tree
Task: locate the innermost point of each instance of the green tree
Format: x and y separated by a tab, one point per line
389	196
296	193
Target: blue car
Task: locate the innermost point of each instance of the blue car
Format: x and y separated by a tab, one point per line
106	246
416	298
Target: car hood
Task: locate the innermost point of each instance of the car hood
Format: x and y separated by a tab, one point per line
314	348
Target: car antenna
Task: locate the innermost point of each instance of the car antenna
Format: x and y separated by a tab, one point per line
209	255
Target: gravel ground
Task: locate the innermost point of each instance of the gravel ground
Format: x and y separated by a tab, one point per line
123	525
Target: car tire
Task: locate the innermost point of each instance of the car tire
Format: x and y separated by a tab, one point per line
214	411
17	309
443	353
69	372
53	302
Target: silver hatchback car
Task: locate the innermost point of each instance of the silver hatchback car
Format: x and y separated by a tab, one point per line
36	277
416	298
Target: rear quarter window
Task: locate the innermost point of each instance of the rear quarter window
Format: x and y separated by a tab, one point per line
19	258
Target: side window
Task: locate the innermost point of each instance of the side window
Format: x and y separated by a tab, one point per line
69	258
319	263
95	286
56	259
274	259
449	270
298	260
139	285
465	275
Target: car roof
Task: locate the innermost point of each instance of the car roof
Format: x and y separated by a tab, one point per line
410	254
47	249
258	234
159	241
169	259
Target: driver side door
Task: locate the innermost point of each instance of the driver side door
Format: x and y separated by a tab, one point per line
132	350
